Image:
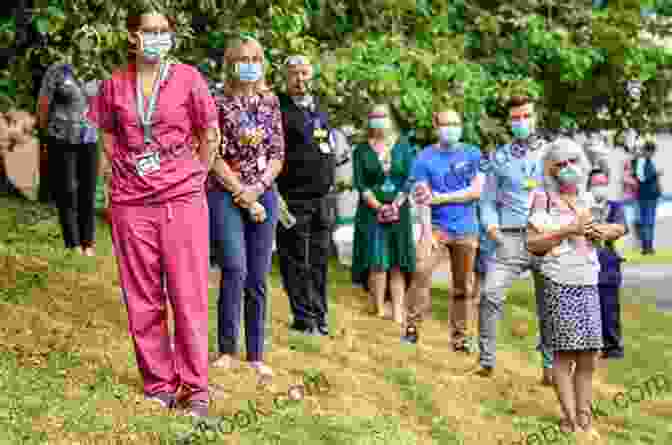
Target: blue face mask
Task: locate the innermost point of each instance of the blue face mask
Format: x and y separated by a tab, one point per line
521	128
378	122
155	46
450	135
248	72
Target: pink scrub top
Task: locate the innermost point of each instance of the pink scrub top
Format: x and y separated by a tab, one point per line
167	168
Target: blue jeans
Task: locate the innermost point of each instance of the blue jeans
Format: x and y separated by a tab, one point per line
647	221
243	250
631	210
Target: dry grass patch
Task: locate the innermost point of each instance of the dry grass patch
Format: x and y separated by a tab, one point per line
67	358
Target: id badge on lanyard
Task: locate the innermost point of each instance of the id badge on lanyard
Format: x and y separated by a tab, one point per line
529	173
150	161
321	135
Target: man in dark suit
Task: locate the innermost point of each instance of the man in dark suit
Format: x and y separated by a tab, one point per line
304	183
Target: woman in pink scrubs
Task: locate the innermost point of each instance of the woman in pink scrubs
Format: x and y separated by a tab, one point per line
152	114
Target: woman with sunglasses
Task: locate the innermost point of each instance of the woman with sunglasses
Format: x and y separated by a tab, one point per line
152	113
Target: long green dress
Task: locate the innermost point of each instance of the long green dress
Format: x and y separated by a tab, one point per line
380	246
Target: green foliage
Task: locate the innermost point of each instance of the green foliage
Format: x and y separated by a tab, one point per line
418	55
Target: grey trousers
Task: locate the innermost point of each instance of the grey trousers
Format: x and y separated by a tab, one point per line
511	260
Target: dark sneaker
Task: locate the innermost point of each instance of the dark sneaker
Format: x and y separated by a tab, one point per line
322	329
166	399
410	336
615	353
461	349
197	408
303	328
467	346
485	372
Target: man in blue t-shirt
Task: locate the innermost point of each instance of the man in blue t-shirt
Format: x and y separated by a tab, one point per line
448	182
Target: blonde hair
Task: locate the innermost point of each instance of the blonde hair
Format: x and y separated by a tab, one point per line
231	51
393	133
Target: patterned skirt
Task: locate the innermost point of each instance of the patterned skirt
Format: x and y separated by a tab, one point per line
573	320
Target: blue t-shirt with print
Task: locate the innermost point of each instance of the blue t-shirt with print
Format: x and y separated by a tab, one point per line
446	171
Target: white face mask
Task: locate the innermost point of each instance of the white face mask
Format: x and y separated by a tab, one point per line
600	192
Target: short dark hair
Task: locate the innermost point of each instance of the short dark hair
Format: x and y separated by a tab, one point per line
519	101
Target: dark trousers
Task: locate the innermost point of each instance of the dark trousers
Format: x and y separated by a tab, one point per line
611	321
647	222
243	250
73	171
303	252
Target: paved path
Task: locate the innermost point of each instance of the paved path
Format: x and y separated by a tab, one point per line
656	278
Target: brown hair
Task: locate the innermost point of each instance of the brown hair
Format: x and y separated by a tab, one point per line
134	21
519	101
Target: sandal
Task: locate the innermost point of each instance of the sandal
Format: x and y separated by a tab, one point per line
411	335
567	426
264	372
197	408
216	391
225	361
585	422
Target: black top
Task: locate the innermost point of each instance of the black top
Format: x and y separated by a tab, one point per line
309	168
650	187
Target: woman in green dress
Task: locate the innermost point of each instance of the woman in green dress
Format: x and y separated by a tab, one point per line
383	241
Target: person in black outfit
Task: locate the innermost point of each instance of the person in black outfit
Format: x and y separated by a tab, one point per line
304	183
72	153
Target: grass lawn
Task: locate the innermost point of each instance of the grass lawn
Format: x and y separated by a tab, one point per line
662	256
68	373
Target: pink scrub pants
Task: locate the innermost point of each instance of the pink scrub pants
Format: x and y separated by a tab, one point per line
170	240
